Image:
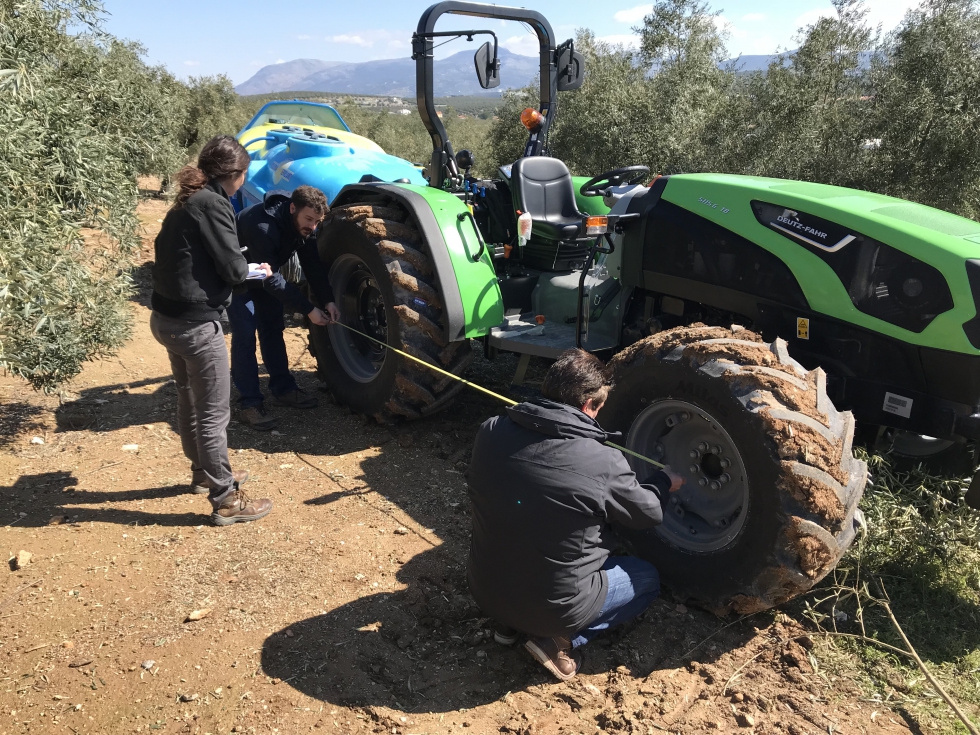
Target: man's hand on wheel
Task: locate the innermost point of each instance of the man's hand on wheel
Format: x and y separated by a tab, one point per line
675	480
333	313
318	317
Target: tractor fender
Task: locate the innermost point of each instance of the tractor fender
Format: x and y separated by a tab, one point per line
467	286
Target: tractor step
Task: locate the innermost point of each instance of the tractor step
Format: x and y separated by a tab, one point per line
521	334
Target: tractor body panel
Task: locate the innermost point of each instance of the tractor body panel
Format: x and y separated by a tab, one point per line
468	286
875	290
934	238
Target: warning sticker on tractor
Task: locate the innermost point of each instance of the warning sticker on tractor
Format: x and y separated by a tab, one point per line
802	328
897	405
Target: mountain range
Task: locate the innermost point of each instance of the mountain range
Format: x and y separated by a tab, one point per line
454	75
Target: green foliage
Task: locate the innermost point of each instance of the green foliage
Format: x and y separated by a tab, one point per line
82	117
923	543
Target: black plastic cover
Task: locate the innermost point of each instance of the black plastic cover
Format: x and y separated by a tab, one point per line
680	243
972	327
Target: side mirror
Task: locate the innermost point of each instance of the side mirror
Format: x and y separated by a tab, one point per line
571	70
487	66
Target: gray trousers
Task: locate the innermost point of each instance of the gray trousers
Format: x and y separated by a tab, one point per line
199	361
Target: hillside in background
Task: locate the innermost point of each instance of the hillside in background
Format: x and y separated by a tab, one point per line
454	75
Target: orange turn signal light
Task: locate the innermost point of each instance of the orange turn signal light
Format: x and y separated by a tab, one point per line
531	119
596	225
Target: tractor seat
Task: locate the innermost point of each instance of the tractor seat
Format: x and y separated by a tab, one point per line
543	188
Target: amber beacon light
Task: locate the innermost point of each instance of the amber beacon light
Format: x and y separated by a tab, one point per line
531	119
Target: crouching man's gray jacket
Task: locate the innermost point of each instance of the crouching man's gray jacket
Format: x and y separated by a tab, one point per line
543	488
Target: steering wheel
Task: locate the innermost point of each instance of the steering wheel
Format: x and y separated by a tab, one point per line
596	187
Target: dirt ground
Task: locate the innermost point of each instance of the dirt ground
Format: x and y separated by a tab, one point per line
345	610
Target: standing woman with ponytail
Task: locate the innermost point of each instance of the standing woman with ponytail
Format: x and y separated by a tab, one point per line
198	262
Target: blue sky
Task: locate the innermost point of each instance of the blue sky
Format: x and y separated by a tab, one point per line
195	37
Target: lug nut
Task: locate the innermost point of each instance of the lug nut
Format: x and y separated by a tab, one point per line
693	468
725	478
695	454
702	482
715	485
726	463
716	449
702	447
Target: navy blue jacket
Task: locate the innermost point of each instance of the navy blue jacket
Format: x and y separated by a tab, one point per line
543	489
267	234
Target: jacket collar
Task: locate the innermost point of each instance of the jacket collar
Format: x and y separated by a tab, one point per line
214	186
557	420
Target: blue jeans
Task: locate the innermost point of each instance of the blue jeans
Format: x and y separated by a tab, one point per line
251	312
633	585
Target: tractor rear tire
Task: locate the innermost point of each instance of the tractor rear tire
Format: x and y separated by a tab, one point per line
382	280
769	503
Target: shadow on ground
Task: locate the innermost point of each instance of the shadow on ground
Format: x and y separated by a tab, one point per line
53	498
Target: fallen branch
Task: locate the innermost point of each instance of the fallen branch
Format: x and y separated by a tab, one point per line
922	667
8	598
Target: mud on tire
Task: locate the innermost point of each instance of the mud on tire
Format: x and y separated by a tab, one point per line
772	500
384	284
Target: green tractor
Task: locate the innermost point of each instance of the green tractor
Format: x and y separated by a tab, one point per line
741	315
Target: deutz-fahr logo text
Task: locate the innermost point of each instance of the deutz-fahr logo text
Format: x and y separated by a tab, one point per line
804	228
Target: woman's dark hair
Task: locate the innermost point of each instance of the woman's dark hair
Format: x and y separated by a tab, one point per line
577	378
221	157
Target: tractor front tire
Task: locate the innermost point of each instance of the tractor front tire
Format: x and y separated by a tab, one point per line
383	283
769	502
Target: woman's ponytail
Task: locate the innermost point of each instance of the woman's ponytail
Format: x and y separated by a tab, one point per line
190	180
220	158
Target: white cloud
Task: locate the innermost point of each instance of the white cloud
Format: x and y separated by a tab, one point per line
524	44
887	13
351	40
634	14
754	17
629	40
304	37
192	63
374	38
279	61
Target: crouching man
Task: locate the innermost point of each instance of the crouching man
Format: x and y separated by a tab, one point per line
543	489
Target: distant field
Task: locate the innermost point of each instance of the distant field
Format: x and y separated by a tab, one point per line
476	105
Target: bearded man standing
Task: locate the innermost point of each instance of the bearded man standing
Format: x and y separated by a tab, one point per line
271	232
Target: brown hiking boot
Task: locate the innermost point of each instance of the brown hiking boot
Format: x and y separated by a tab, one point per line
257	417
237	507
239	476
556	655
297	399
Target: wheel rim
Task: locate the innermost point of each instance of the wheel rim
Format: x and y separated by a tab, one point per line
709	510
362	307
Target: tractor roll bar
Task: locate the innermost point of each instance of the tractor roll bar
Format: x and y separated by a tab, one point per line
443	163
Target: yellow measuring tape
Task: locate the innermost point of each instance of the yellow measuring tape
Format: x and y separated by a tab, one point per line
505	399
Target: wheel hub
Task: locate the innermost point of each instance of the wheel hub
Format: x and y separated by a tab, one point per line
709	510
362	307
